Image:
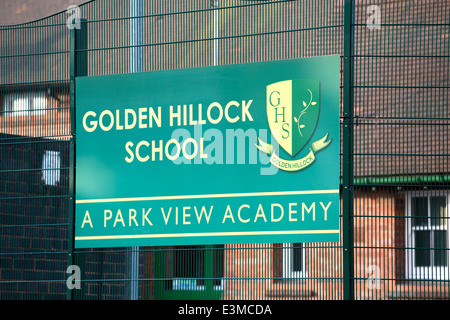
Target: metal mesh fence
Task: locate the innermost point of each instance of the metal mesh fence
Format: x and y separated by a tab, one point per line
399	100
401	91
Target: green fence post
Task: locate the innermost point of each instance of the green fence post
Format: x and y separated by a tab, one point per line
78	67
347	162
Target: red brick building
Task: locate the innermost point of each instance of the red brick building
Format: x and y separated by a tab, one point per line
401	150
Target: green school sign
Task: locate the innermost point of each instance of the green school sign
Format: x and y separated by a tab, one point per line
245	153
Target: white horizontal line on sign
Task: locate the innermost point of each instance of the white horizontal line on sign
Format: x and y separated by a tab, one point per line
201	196
206	234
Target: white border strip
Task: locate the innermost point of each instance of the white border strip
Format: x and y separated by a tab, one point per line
203	196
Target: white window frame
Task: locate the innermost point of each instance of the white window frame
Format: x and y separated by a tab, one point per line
288	262
186	284
191	284
432	272
51	167
29	103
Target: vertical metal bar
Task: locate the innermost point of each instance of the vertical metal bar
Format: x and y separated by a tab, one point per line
136	35
71	235
347	163
209	268
215	5
136	12
78	67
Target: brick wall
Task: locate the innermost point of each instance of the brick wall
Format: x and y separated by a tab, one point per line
34	229
250	268
252	271
379	240
33	220
375	254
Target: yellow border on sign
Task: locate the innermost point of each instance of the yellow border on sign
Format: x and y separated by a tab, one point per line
201	196
207	234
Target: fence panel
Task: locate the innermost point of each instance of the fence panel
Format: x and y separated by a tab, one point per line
34	159
394	149
401	100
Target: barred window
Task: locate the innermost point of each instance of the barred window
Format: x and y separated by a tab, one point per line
51	165
427	237
289	261
25	103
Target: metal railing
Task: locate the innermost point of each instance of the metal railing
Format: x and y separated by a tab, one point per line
395	198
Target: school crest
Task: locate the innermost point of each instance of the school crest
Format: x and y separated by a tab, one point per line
293	110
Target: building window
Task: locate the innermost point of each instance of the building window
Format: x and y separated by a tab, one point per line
427	237
51	167
294	260
25	103
188	266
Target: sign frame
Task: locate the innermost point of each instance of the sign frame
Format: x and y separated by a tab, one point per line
271	203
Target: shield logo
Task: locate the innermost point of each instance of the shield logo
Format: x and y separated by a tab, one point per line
292	108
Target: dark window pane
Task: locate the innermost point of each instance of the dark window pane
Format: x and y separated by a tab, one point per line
419	211
438	207
297	257
218	264
185	262
189	262
422	251
440	244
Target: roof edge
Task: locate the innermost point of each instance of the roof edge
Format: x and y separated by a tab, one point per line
40	19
